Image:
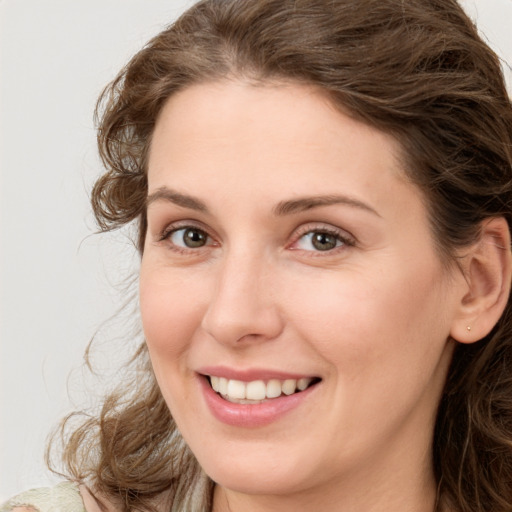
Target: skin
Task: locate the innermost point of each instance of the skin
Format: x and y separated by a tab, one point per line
372	317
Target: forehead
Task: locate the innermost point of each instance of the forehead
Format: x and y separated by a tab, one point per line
300	111
219	137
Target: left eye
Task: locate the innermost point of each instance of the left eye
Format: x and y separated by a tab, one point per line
190	238
319	241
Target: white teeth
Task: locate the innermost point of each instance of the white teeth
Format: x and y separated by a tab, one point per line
302	384
257	390
223	386
273	388
236	389
289	386
215	382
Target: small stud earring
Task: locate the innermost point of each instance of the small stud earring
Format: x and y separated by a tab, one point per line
468	328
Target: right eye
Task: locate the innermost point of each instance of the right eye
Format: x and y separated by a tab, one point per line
188	237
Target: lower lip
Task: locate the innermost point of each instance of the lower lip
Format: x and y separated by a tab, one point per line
249	416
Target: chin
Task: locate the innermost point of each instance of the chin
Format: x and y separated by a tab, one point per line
265	471
268	481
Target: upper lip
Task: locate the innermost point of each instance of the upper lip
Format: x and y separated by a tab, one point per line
251	374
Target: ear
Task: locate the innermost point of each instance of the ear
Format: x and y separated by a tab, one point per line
487	268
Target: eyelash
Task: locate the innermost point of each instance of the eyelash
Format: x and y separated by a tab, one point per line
341	236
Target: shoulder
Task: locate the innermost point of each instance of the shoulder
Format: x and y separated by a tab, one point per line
64	497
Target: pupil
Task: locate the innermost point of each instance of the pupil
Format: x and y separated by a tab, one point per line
194	238
324	241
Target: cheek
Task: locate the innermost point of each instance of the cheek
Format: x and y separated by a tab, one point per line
385	341
362	321
171	312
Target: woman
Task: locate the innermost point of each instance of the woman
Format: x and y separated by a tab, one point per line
323	197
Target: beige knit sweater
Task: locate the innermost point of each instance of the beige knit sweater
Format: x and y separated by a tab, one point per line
64	497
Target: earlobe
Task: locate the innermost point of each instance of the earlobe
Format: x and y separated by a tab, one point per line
488	274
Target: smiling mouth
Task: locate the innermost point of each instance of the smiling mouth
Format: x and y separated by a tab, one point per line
258	391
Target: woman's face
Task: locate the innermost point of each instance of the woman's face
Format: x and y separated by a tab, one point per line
286	250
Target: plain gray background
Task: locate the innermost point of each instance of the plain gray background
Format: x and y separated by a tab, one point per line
58	283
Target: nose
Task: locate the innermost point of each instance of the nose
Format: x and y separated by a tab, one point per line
243	307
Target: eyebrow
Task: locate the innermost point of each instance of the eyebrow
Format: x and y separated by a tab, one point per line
307	203
288	207
186	201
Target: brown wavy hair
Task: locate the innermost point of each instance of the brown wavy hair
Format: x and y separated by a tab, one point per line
416	69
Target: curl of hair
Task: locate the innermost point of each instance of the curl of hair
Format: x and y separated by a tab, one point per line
416	69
